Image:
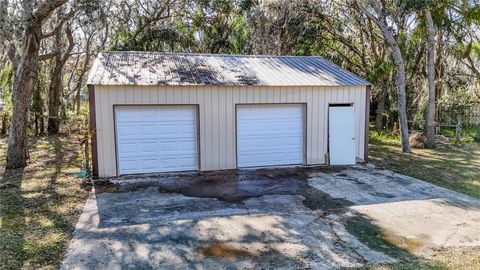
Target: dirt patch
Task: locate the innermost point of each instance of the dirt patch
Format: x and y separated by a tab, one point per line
106	186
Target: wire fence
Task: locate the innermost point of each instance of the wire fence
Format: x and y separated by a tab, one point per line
469	115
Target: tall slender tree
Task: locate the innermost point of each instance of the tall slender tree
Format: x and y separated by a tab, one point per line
377	14
56	82
430	114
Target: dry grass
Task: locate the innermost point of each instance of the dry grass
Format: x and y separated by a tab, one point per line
40	204
449	259
456	167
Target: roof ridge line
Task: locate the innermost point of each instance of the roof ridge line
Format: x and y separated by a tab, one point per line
218	54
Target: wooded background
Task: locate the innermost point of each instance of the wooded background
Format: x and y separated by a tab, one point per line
423	57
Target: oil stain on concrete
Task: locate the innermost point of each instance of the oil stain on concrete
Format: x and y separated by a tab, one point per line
301	218
235	186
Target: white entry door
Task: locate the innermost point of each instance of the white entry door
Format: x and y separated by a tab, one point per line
156	138
341	125
269	135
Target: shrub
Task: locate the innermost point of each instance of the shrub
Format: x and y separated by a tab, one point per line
417	140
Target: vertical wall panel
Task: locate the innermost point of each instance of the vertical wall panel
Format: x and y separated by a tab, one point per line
222	128
322	126
357	123
137	95
270	94
217	131
186	95
311	124
169	94
162	95
105	125
229	128
243	95
257	94
315	123
145	95
100	142
112	99
201	117
283	95
361	129
207	122
128	94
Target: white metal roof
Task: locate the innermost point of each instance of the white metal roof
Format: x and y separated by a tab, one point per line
159	68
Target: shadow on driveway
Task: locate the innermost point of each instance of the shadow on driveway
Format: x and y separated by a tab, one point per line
312	218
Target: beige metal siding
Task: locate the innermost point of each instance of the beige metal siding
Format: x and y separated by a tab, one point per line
217	116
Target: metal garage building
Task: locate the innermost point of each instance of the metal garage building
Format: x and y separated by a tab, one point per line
162	112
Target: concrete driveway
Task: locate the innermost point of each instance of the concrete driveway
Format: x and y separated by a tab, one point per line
307	218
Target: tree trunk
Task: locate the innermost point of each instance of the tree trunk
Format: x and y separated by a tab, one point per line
380	110
42	125
56	86
25	80
54	92
77	101
458	130
439	73
400	74
35	124
3	130
86	63
402	97
430	115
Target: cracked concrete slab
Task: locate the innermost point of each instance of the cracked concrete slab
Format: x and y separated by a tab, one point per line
414	215
307	218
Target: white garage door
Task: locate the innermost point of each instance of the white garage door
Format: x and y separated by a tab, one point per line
269	135
156	138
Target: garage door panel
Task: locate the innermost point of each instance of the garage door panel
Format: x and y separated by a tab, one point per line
261	142
167	146
149	164
243	143
149	114
125	115
146	130
185	129
156	139
127	148
187	146
261	126
125	131
129	164
269	135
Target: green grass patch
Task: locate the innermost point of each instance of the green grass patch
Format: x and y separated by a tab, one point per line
453	166
39	204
